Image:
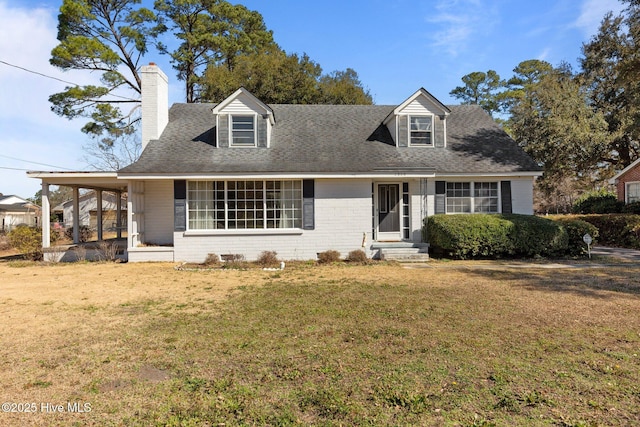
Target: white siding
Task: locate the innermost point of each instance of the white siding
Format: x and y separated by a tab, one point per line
393	128
417	210
342	215
158	216
421	105
242	105
522	195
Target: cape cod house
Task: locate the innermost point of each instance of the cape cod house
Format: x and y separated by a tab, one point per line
242	177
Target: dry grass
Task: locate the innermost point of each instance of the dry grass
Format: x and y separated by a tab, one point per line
357	345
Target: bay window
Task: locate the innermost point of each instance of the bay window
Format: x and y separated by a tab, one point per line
244	205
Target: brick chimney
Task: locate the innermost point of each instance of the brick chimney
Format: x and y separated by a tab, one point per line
155	102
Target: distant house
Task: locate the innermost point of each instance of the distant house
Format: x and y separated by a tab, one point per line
627	183
88	211
16	211
242	176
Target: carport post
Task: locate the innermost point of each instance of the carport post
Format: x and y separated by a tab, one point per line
46	216
99	213
119	214
76	215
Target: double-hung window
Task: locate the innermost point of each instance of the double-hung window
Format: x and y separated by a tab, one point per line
468	197
485	197
244	205
421	130
243	131
633	192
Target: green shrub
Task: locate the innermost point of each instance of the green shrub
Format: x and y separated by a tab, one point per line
357	256
621	230
469	236
27	240
537	236
576	229
598	202
495	236
328	257
632	208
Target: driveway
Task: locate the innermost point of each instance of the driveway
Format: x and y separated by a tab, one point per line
631	255
602	257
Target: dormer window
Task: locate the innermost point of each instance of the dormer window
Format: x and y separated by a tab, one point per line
421	130
243	131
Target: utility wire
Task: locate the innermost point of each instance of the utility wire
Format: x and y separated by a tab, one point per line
35	163
14	169
55	78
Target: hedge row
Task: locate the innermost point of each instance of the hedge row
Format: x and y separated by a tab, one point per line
620	230
497	236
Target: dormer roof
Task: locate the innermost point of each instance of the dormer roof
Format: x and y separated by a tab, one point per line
432	101
245	97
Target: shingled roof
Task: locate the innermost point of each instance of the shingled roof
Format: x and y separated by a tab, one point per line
330	139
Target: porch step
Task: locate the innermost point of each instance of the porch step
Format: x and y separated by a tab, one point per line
402	251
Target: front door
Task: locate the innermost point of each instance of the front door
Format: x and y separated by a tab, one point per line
388	212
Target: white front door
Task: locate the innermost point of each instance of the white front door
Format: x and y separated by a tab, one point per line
388	209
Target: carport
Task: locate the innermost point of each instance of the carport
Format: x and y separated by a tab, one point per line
97	181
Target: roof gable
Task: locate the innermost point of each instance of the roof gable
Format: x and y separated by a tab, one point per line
240	101
11	199
420	100
624	171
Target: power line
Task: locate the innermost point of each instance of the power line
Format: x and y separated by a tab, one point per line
38	73
55	78
14	169
35	163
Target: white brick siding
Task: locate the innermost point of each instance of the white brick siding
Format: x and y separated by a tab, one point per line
158	214
342	214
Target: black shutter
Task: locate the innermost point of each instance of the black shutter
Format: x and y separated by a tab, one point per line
223	130
441	191
261	123
180	205
308	204
403	131
438	127
505	190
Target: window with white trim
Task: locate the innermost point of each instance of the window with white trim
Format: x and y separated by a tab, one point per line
243	131
485	197
244	205
468	197
421	130
633	192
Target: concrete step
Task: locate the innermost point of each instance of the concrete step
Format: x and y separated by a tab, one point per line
403	251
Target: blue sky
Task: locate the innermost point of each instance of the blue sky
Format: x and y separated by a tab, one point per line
396	46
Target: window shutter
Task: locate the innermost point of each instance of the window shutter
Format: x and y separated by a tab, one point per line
308	204
261	123
438	127
441	190
223	130
403	131
505	191
179	205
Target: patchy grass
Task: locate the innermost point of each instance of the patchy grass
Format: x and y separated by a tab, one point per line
324	345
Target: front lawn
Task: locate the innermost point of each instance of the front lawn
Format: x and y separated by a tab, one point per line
144	344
